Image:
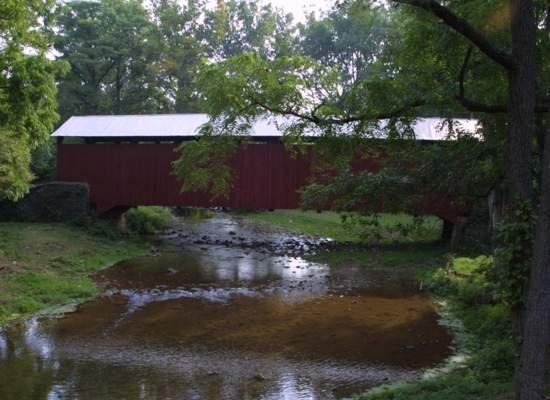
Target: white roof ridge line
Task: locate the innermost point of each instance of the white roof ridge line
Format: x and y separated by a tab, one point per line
188	124
134	115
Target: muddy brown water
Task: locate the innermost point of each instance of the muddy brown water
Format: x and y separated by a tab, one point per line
228	318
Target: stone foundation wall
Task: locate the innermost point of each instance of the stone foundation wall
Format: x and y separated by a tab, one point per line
50	202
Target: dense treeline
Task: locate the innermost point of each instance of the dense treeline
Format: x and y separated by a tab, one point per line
127	59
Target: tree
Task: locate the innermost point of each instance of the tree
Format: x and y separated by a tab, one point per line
187	32
350	39
317	91
111	55
520	64
239	26
179	36
27	90
475	60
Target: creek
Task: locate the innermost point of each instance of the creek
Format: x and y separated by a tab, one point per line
225	310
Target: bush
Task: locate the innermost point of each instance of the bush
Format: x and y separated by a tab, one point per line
147	220
465	279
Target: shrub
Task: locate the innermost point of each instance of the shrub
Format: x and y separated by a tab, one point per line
388	228
147	220
465	279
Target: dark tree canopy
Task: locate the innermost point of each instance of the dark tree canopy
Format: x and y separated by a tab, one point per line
108	47
179	36
127	59
235	27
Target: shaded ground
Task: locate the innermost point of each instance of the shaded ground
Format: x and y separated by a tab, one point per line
228	312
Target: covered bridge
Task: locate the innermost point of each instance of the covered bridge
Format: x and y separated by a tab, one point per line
126	160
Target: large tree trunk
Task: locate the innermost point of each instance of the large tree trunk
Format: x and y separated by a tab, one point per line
522	70
522	93
531	371
529	375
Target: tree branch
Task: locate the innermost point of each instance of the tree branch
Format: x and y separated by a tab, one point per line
107	70
471	105
340	121
463	27
542	106
280	111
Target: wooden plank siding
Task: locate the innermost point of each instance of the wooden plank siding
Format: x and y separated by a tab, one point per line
267	177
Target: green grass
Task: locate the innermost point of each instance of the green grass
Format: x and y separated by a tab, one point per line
326	224
329	224
420	256
457	385
48	265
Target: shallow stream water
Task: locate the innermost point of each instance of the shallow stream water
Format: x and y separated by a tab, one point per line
227	311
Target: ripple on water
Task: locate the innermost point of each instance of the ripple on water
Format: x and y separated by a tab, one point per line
225	322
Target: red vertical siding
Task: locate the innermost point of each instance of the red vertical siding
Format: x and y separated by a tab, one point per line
267	176
141	174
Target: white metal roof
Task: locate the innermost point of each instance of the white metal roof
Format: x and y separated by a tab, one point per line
186	125
434	128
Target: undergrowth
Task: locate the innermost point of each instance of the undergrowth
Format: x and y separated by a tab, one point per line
146	220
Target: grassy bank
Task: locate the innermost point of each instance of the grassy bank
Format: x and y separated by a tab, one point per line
458	280
43	266
392	227
325	224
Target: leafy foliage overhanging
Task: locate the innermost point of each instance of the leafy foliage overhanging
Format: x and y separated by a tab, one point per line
340	84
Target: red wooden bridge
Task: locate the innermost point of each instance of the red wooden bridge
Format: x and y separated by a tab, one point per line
134	169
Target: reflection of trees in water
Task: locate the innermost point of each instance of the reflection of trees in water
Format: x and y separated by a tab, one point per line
26	373
27	370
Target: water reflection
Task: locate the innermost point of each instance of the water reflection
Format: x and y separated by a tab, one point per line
218	322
